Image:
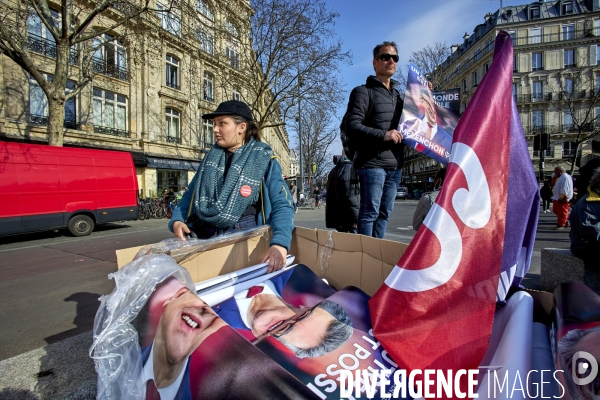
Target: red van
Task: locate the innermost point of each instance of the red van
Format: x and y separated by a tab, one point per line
47	187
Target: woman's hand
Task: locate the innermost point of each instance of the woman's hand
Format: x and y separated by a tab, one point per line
276	256
180	229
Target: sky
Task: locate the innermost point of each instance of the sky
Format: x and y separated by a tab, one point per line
412	24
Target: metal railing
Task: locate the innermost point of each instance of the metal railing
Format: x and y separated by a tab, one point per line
173	85
47	48
103	67
111	131
69	123
173	139
556	37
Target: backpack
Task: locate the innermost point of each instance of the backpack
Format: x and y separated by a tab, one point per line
348	141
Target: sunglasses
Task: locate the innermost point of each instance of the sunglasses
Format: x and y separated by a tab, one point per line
283	327
386	57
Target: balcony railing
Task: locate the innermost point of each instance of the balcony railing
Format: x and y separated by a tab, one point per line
556	37
547	153
47	47
103	67
568	152
534	97
173	139
111	131
173	85
68	123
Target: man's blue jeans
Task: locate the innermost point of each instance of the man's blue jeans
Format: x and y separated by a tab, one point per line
378	189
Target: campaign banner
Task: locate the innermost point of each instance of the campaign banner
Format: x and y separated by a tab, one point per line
314	332
429	117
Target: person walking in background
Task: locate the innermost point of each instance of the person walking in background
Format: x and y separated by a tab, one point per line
294	192
238	186
562	193
585	224
373	115
342	200
317	195
427	199
546	195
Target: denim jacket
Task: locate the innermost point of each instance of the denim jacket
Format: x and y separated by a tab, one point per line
276	206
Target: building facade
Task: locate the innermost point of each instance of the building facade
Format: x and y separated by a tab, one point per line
148	91
556	74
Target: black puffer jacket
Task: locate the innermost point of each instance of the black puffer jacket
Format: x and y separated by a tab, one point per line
343	196
368	131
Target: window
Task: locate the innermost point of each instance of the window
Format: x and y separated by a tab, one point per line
515	67
204	9
236	95
568	86
536	94
232	29
172	126
206	41
569	58
514	91
568	121
534	13
567	8
513	36
464	86
208	87
535	35
109	57
477	54
169	19
172	69
537	120
598	83
39	37
38	104
110	113
234	57
207	138
490	45
474	81
597	27
568	32
569	149
486	68
536	62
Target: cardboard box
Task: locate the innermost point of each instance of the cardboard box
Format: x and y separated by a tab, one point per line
343	259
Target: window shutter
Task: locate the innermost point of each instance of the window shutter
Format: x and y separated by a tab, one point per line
593	54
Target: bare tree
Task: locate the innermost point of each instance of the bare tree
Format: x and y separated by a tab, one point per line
427	60
73	34
316	136
579	98
293	53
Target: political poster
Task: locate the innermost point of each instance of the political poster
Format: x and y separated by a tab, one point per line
429	117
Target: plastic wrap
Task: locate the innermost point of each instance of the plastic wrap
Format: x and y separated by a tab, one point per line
325	253
182	250
116	351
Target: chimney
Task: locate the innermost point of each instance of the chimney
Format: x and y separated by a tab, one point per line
487	17
453	48
466	36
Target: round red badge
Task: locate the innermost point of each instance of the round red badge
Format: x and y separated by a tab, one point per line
245	191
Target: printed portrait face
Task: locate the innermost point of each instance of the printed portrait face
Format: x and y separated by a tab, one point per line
308	332
429	105
185	323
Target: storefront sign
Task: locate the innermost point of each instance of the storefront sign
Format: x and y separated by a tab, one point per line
168	163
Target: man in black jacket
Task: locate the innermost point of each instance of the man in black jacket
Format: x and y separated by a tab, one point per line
342	199
373	115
